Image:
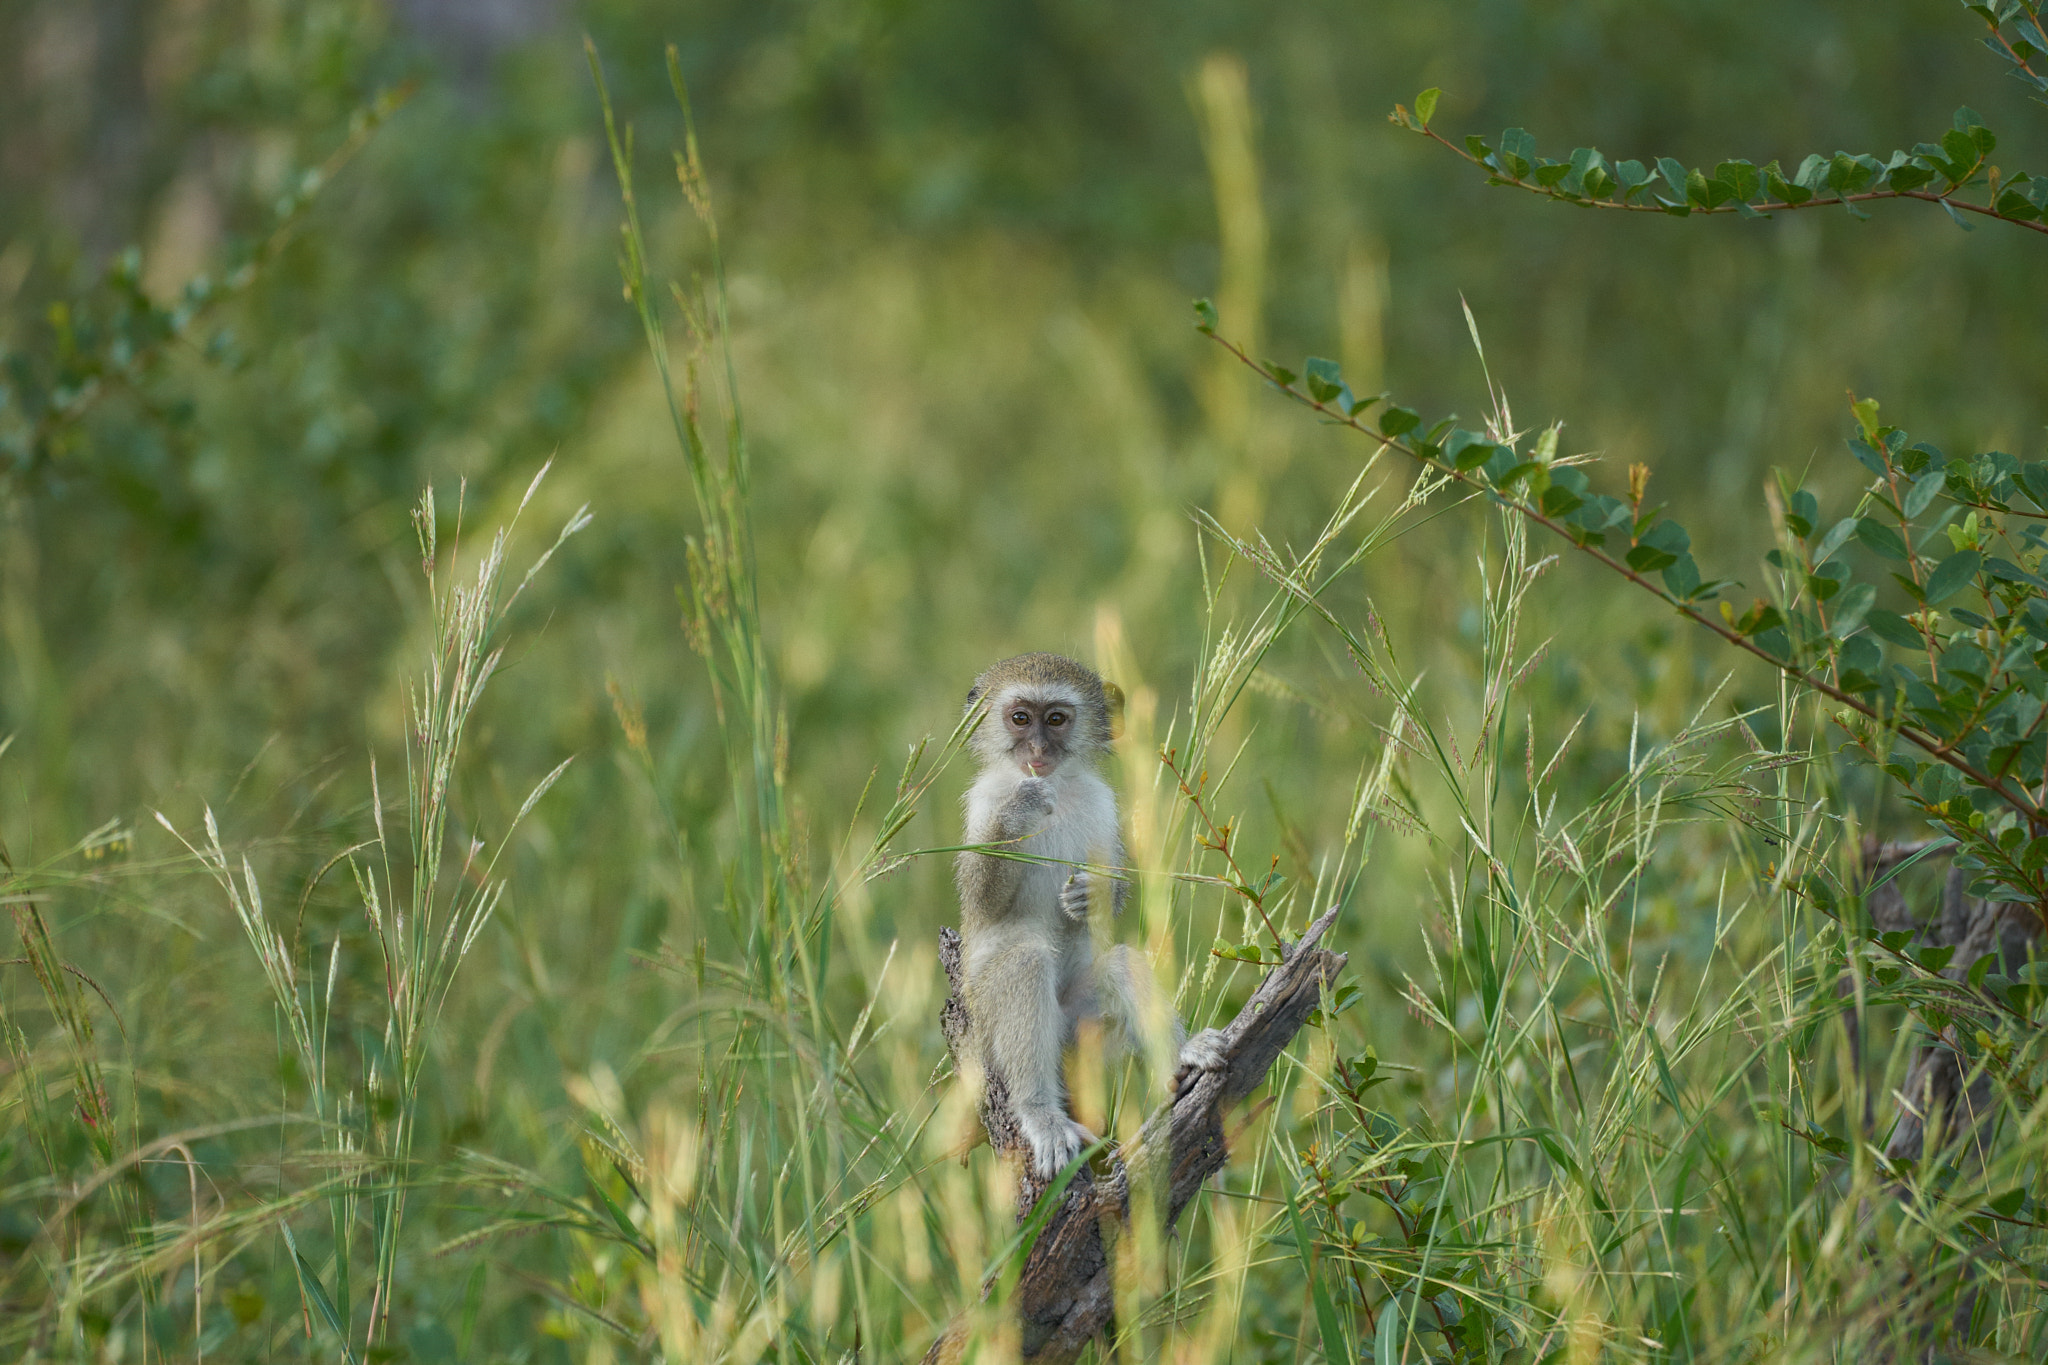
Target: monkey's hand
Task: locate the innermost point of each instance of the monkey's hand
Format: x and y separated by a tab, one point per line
1074	897
1032	800
1054	1138
1203	1052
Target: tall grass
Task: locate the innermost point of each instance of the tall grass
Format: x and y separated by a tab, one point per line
1621	1098
422	924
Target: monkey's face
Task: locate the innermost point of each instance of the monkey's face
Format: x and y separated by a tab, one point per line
1039	731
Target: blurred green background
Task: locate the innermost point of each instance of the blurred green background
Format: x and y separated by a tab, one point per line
961	242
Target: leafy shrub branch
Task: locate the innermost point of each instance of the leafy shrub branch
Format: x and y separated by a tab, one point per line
112	336
1959	544
1940	172
1966	685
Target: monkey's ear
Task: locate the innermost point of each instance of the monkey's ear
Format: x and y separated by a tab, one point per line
973	696
1113	701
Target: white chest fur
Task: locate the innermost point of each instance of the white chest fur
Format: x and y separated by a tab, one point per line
1082	830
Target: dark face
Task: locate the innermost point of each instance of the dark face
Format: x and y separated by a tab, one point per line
1041	733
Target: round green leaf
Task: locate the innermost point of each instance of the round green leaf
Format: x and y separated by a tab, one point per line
1892	628
1880	538
1952	575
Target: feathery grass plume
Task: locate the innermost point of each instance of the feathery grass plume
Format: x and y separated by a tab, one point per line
64	988
423	924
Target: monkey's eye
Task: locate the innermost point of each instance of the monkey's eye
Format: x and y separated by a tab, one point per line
1020	717
1055	718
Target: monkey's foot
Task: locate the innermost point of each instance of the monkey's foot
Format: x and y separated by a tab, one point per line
1203	1052
1074	897
1054	1139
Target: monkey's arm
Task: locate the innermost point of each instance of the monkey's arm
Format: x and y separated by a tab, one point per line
988	883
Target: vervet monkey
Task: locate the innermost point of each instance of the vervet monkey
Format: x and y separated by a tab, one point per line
1031	973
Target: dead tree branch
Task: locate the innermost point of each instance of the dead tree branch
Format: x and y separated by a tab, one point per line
1065	1295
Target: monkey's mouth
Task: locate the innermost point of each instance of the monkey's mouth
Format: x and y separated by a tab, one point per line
1038	767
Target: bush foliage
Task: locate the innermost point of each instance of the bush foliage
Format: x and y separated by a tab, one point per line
461	965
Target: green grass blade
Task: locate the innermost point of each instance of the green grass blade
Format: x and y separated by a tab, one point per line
310	1287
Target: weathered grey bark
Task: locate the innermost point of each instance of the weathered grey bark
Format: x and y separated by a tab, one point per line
1933	1087
1065	1295
1934	1092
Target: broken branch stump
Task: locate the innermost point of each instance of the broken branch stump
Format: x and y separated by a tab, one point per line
1065	1295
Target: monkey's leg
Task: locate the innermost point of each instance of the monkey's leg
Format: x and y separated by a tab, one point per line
1127	996
1014	1003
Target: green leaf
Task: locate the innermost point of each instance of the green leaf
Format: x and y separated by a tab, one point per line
1632	176
1783	189
1386	1341
1853	605
1892	628
1325	379
1588	172
1967	122
1965	661
309	1284
1908	173
2033	477
1952	575
2013	204
1334	1347
1659	547
1205	316
1923	490
1517	152
1803	514
1468	450
1851	174
1280	375
619	1217
1515	472
1397	421
1934	959
1868	456
1980	968
1962	152
1649	558
1837	536
1880	538
1740	177
1425	105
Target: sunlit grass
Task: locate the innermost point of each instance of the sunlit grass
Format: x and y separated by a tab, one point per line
1596	1096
